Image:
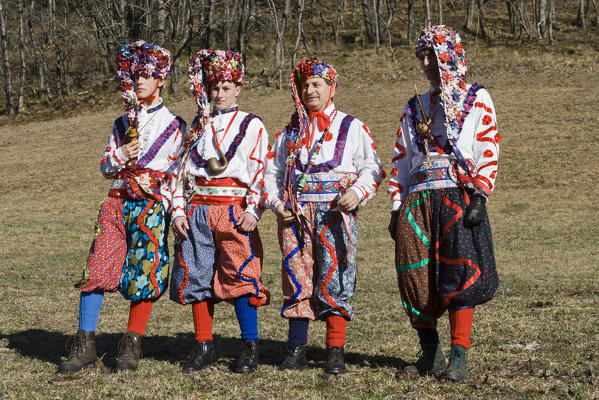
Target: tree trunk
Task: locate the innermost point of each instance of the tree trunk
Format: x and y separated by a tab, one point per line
411	22
550	21
209	23
377	25
10	110
160	31
581	19
22	77
367	21
511	16
469	25
541	25
40	60
279	58
300	29
242	28
427	12
339	24
481	21
535	18
440	11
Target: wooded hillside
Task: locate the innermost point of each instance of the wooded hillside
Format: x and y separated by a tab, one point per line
51	48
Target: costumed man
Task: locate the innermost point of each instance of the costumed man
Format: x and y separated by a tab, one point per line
322	166
443	171
130	249
217	208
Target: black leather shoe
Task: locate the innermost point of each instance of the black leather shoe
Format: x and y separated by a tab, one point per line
248	360
201	356
296	358
334	364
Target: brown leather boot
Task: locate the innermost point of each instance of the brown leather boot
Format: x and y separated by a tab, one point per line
82	352
129	351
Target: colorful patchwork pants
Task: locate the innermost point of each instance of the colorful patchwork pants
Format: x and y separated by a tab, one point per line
130	251
319	267
145	273
108	250
440	263
217	260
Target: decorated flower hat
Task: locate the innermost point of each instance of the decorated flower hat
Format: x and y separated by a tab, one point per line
209	66
140	58
451	58
306	69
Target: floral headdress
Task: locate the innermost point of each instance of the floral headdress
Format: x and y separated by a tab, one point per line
451	58
306	69
209	66
140	58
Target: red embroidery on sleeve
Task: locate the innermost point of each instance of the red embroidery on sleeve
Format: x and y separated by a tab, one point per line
487	119
488	153
483	106
394	171
402	152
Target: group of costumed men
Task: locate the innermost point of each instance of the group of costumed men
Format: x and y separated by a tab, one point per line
212	182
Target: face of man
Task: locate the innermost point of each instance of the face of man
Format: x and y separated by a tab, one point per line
147	86
428	63
224	94
315	94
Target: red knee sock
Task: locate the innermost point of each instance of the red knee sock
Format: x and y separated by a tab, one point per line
336	331
460	323
139	313
203	312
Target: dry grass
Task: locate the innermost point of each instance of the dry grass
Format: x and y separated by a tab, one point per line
537	339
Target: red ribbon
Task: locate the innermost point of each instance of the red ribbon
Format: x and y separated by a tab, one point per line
322	119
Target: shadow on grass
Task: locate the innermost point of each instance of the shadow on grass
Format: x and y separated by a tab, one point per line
49	346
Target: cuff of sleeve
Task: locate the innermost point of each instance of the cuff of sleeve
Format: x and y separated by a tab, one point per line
480	192
275	203
177	212
359	191
395	205
120	156
254	210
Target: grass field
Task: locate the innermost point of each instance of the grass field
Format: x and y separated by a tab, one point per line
539	338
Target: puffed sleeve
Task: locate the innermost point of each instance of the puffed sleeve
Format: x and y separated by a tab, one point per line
486	143
399	179
259	137
113	160
274	174
367	163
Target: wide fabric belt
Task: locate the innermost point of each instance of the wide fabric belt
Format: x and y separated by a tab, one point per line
218	191
137	184
321	187
438	174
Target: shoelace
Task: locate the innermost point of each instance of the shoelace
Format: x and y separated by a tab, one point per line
127	343
74	345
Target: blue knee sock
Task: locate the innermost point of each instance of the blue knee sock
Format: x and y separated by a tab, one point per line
428	335
247	315
298	332
90	304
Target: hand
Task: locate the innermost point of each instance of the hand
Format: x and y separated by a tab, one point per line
246	222
283	216
348	201
180	227
473	215
393	224
131	150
